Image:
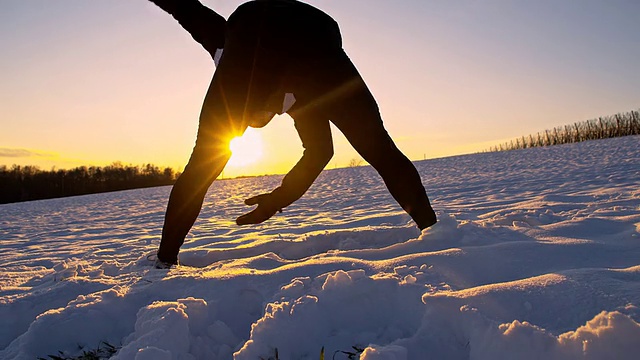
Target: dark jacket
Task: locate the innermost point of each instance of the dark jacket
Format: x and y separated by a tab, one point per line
205	25
307	30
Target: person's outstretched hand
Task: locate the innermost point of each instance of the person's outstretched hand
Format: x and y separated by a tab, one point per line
264	211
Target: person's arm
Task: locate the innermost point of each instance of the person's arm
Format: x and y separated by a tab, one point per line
318	145
205	25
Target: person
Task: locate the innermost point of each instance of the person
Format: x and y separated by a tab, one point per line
272	57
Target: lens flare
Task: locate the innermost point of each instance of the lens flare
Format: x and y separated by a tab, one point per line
246	149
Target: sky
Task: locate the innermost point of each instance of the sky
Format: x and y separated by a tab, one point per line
93	82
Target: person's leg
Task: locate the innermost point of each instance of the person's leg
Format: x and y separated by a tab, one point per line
207	161
353	109
222	118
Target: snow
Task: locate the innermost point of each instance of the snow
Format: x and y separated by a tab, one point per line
536	256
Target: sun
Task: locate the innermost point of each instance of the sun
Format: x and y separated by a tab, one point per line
246	149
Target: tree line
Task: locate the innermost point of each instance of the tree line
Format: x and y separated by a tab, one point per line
24	183
621	124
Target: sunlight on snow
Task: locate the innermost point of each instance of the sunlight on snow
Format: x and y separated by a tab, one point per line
535	255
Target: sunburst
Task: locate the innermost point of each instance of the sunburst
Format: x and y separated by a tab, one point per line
246	149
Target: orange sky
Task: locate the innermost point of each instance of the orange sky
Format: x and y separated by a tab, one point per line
89	83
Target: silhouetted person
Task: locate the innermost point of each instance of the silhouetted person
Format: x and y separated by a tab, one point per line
280	56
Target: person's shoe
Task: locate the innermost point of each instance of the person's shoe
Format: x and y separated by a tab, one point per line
159	264
426	219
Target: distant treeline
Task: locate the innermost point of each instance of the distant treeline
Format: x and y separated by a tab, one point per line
23	183
621	124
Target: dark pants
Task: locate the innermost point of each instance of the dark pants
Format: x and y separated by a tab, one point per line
269	51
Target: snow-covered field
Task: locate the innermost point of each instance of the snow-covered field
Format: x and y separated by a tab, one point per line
536	256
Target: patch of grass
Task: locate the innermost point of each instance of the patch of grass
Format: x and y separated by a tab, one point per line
103	352
621	124
351	355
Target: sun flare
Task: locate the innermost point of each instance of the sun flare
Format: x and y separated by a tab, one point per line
246	149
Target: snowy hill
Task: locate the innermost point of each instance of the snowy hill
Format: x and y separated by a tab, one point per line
536	256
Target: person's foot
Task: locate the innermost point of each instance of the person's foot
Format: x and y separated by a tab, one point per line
160	264
428	224
427	220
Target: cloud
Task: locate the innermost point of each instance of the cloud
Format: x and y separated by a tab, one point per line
22	153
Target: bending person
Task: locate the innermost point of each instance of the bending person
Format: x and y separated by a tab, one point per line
276	56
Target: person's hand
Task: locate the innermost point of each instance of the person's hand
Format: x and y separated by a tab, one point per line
264	211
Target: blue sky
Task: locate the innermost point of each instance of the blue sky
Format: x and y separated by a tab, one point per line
91	82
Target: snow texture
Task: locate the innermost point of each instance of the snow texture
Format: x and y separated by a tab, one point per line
536	256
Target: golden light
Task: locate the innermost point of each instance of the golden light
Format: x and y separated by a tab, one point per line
246	149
